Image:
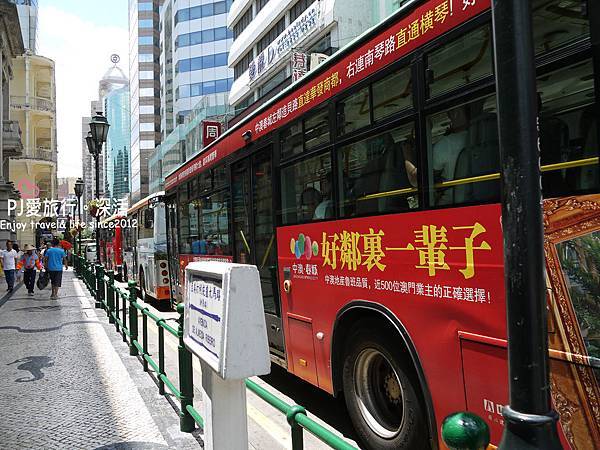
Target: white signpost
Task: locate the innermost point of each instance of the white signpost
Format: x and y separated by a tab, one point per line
224	325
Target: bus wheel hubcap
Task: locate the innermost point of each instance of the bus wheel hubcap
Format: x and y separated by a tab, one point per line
379	393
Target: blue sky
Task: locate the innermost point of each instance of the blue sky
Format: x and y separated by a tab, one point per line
80	36
100	12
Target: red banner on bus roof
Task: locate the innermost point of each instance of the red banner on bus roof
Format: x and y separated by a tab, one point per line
424	24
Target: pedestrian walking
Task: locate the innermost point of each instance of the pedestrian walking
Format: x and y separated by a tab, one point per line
54	259
8	260
29	262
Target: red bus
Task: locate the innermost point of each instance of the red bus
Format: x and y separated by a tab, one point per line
111	242
368	196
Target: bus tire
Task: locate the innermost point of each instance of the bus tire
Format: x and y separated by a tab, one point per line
381	392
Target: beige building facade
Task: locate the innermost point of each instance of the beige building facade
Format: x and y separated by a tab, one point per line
33	106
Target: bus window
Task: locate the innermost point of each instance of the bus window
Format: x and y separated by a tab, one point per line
392	94
379	174
463	149
306	190
353	112
316	129
568	122
146	224
461	62
558	22
291	140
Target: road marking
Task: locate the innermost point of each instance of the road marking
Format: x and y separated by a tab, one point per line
279	434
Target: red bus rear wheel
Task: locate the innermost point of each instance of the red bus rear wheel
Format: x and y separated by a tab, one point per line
381	393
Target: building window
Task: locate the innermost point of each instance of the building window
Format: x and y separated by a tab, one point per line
242	65
242	23
273	83
260	4
145	6
202	62
207	87
146	40
197	12
275	31
202	37
145	23
299	8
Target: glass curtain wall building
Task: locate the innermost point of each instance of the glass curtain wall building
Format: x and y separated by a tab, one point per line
116	105
195	45
144	80
195	79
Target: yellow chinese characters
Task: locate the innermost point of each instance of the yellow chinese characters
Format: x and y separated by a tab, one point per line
317	90
432	246
420	27
352	250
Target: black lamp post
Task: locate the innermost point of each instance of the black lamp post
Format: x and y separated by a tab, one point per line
78	193
95	140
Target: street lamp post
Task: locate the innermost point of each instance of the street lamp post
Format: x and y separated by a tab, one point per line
95	140
78	193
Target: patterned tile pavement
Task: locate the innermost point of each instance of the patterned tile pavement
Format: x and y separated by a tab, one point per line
67	381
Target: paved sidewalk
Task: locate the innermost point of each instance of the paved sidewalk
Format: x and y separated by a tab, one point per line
67	381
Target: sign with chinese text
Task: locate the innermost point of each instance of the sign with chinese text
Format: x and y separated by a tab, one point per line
204	310
433	255
294	33
211	131
224	323
299	65
425	23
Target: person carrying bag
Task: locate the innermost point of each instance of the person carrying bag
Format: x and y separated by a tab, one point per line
28	263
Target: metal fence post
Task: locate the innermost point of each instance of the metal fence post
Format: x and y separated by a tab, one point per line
99	285
161	358
145	338
297	431
119	275
124	319
133	319
186	379
110	295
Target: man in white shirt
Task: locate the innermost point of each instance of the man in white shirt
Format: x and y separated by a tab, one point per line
8	260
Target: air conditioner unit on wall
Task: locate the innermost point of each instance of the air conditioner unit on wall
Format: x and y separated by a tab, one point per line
316	59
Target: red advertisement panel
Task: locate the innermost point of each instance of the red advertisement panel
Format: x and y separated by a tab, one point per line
425	23
210	132
439	272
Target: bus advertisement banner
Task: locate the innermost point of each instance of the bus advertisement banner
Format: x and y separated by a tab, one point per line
423	24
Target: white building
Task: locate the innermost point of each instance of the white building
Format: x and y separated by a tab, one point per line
144	94
194	46
267	32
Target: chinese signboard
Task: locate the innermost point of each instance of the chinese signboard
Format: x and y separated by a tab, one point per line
298	29
423	24
204	310
299	65
210	132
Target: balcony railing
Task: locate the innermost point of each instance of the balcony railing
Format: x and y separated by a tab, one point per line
44	153
35	103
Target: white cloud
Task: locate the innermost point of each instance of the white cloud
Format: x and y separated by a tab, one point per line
81	51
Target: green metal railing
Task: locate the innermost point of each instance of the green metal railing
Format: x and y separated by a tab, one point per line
122	307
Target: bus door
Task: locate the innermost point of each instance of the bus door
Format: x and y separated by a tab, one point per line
254	234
